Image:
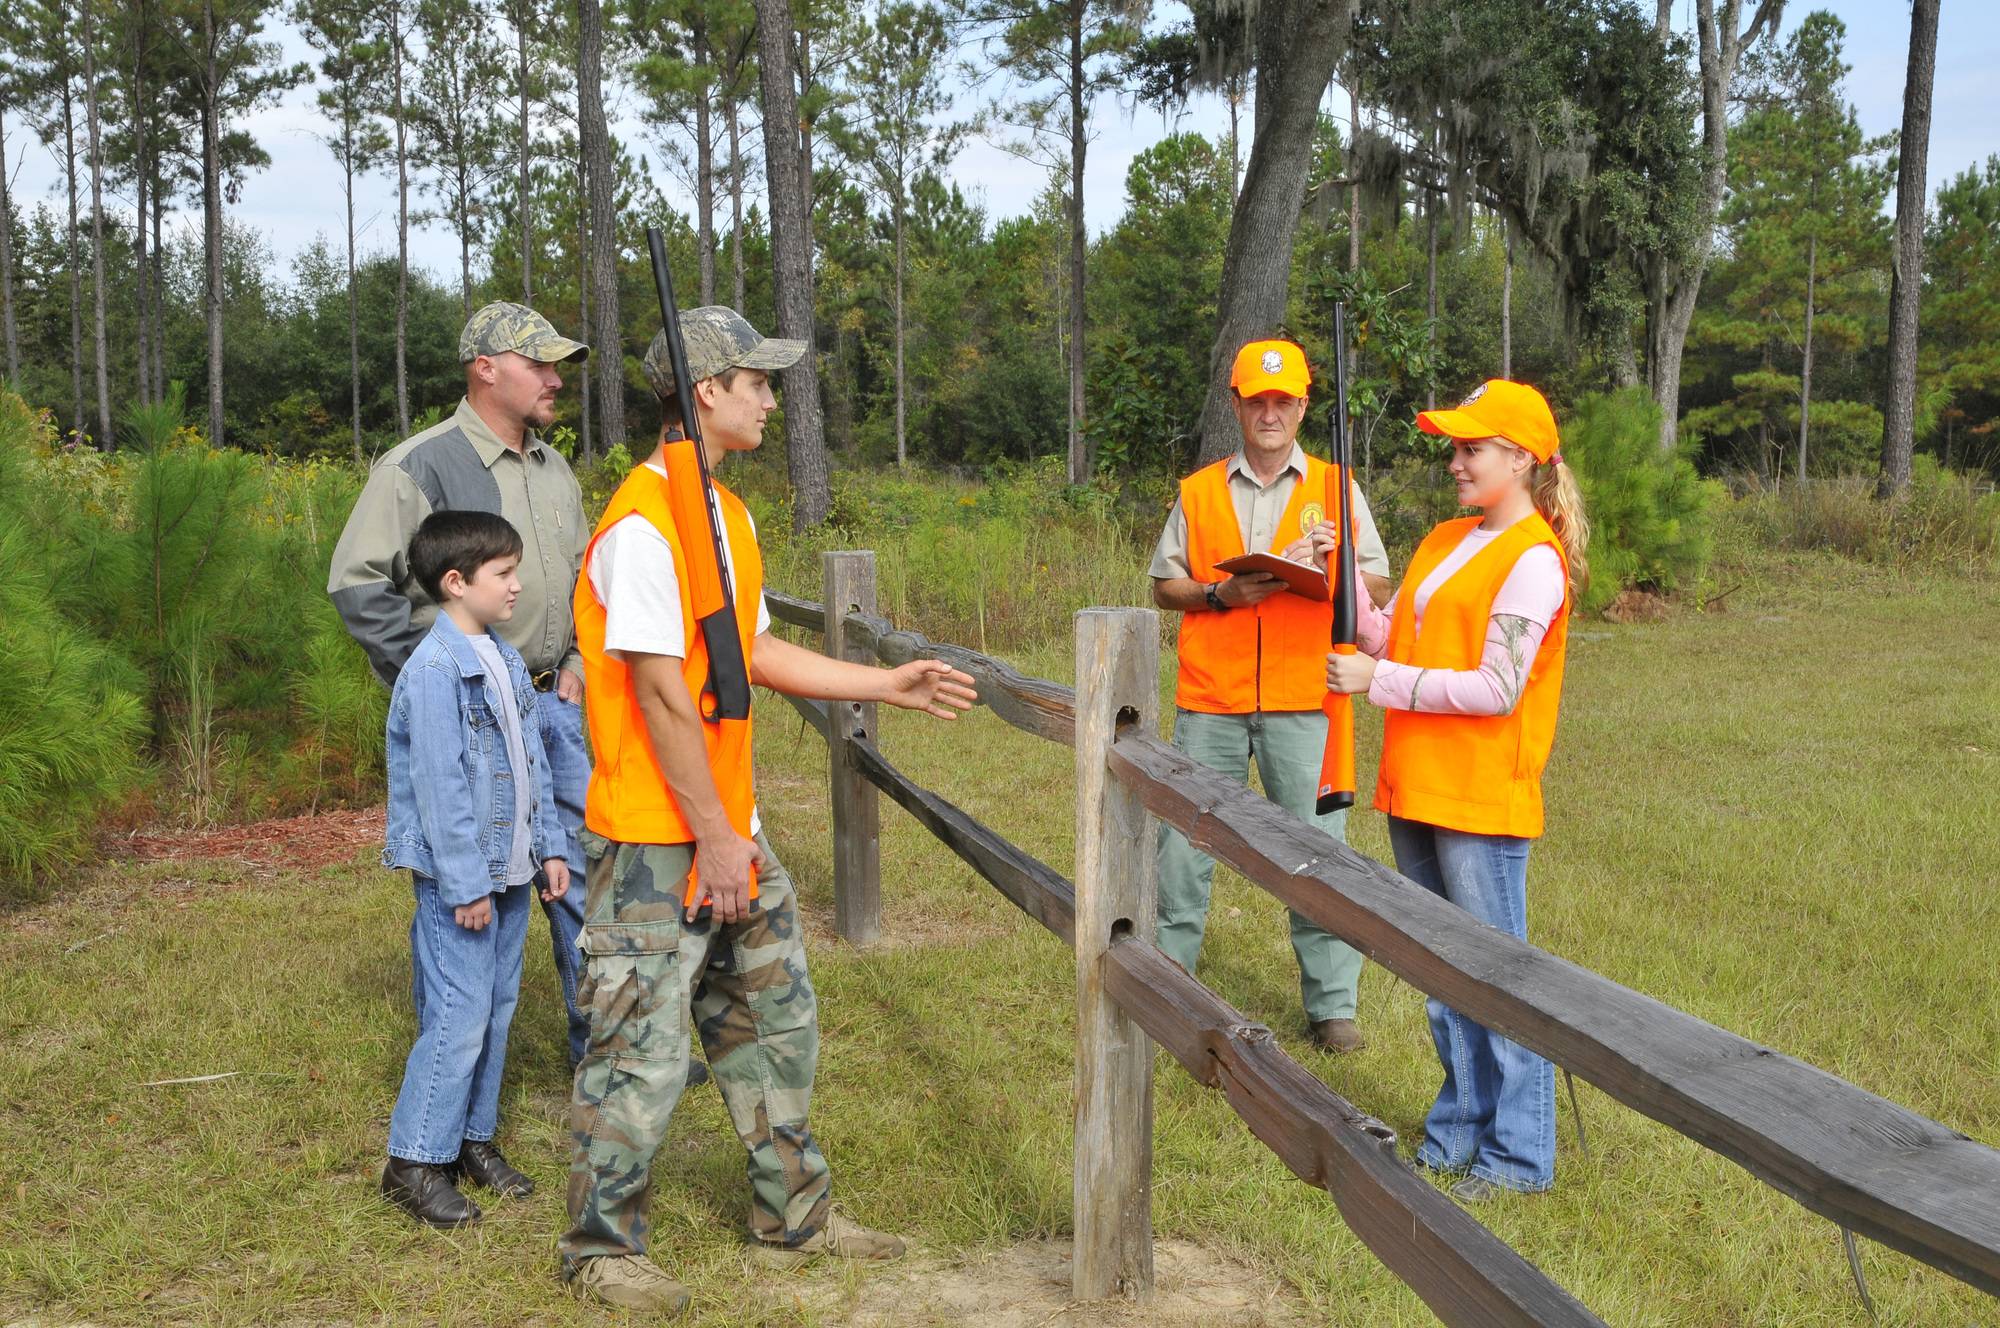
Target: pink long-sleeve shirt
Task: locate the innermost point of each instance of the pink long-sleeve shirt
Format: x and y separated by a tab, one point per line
1528	602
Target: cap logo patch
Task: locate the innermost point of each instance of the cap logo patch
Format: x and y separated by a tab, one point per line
1477	393
1274	362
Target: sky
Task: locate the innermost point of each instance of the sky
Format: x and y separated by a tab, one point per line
298	197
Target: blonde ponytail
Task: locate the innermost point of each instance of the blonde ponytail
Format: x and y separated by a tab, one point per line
1560	502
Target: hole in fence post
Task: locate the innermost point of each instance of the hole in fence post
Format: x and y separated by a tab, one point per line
1117	686
849	579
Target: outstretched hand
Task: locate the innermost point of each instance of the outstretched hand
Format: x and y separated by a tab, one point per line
930	685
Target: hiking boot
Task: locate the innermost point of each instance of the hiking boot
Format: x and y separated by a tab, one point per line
842	1237
1477	1189
1339	1036
480	1162
426	1193
629	1282
698	1073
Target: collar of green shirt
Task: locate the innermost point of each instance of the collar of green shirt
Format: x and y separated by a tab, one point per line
1239	465
487	443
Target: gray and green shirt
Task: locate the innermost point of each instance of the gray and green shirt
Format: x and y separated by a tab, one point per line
461	465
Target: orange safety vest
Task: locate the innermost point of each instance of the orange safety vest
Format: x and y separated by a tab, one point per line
1477	773
629	800
1269	656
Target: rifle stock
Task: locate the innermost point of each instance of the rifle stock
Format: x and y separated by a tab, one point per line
1336	767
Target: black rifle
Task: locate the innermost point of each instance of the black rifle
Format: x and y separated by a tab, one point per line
728	686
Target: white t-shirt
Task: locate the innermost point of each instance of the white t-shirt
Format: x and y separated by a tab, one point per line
632	571
500	692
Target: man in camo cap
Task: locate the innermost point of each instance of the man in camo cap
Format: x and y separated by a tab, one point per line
485	456
678	800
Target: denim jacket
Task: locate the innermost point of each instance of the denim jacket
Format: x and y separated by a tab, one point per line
451	793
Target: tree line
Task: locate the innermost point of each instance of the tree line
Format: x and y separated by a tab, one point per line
1616	203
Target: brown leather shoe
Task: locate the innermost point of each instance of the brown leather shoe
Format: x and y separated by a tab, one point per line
1339	1036
426	1193
480	1162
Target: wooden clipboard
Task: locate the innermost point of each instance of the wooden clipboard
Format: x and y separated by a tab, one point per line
1298	578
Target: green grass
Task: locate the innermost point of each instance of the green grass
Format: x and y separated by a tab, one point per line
1778	818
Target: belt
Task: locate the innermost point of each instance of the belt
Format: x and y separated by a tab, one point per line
545	681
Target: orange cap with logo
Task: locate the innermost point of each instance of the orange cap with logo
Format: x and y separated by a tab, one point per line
1500	409
1270	366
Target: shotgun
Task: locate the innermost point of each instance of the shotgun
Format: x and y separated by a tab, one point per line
725	693
1336	766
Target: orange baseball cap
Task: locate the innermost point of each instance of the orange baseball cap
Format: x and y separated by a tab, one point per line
1500	409
1270	366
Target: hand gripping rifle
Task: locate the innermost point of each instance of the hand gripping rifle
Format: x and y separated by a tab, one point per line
725	694
1336	766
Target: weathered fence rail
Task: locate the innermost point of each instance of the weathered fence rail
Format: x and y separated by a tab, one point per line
1866	1163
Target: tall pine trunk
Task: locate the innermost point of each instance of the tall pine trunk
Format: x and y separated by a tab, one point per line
902	453
99	341
585	436
526	209
608	363
1507	304
75	261
211	191
1079	141
1431	284
1907	272
353	295
159	284
12	330
704	170
1298	44
791	253
736	208
142	135
1806	365
396	54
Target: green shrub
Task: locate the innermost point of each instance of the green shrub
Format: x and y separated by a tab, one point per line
1652	519
71	719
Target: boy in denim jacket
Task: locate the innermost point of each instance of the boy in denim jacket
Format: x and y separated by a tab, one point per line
471	814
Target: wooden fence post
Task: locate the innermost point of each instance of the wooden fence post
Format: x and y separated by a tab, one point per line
849	577
1117	682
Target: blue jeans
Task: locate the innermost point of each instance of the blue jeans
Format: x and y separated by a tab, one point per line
1495	1116
1287	745
470	982
569	768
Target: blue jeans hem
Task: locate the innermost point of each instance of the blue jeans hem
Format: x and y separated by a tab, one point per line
403	1155
1509	1183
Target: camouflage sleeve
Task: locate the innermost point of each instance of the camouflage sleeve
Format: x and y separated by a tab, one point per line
371	566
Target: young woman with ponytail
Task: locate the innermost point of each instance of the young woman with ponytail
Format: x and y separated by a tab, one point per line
1467	661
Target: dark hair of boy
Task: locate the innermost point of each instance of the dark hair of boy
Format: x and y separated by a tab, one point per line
459	541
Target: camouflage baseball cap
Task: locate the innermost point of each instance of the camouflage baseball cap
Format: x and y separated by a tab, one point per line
717	338
504	326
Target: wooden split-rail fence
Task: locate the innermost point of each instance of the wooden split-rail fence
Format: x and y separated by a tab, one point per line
1875	1168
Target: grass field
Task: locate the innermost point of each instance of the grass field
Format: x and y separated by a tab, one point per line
1779	817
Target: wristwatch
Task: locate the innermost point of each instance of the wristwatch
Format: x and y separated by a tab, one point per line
1214	598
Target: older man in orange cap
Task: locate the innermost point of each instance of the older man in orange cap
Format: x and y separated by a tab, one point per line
1252	652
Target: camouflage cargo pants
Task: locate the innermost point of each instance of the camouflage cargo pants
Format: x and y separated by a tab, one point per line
745	984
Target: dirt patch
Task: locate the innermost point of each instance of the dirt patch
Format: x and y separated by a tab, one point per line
1027	1286
1636	606
290	843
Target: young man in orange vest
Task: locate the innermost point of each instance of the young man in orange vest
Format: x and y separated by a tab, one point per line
1252	672
670	796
